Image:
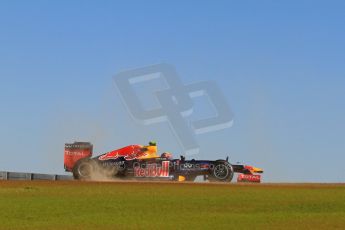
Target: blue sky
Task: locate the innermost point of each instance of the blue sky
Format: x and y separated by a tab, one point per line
280	65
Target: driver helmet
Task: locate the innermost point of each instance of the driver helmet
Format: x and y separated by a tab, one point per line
166	155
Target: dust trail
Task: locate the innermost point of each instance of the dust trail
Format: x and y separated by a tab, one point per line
104	174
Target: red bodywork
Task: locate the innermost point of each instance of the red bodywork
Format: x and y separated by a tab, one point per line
130	152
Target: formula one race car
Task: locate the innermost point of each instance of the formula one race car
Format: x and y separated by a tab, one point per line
137	161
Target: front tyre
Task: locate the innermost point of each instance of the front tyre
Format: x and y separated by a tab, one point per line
221	172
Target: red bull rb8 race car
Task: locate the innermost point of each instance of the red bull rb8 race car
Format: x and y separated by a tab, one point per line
143	162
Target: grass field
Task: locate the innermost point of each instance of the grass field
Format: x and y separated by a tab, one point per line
88	205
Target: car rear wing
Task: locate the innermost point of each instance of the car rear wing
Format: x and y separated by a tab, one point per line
76	151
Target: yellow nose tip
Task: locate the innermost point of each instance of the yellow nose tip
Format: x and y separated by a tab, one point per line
258	170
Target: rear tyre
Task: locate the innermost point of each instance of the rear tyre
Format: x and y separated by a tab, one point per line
83	169
221	172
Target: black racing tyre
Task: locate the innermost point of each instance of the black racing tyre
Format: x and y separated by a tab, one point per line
83	169
221	172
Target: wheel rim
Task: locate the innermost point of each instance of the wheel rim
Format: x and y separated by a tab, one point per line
221	172
84	169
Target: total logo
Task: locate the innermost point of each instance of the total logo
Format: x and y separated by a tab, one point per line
153	170
249	178
76	153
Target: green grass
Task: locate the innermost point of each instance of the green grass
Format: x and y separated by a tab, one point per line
71	205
